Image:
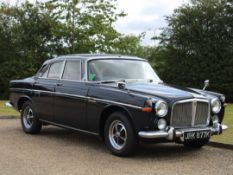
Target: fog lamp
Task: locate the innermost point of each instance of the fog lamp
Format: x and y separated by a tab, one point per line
215	119
162	124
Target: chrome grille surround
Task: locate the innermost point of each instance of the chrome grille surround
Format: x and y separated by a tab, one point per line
190	113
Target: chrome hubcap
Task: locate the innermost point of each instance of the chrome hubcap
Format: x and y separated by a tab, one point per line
117	134
28	117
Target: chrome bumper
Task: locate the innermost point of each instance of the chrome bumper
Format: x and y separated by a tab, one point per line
172	133
8	104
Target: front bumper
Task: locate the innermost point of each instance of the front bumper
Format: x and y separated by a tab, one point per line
173	134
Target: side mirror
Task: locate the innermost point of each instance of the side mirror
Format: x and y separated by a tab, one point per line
206	84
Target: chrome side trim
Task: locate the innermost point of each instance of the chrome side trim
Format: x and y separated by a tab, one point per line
80	96
68	127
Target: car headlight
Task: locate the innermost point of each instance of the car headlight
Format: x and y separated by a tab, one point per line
216	105
161	108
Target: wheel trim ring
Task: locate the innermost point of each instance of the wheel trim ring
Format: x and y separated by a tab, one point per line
28	117
117	134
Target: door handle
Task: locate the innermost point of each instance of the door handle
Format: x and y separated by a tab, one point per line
59	84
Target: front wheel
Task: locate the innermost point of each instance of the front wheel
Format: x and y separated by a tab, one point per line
119	135
30	123
196	144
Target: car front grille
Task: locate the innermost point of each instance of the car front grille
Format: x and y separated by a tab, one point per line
190	113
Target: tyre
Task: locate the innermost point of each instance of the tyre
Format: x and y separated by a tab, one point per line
196	144
119	135
30	123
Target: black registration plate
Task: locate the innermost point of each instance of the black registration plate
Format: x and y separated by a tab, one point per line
196	135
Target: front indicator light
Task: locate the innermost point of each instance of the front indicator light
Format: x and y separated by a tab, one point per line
146	109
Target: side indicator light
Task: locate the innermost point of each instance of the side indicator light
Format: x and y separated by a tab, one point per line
146	109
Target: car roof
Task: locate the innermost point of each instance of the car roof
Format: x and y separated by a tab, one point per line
88	57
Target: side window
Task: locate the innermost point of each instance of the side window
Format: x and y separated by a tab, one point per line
55	70
72	70
43	71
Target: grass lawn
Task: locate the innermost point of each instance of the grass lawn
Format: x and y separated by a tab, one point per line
6	111
226	137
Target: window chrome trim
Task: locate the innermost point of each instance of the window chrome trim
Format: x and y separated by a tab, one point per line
62	70
193	110
91	99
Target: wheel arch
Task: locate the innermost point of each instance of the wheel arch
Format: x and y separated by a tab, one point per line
107	111
22	100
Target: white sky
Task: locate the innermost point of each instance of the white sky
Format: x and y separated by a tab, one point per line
143	16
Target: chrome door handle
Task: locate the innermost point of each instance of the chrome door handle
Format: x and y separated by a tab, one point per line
59	84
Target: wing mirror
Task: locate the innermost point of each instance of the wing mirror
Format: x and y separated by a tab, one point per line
206	84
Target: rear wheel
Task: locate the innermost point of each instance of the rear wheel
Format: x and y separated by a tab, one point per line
196	144
30	123
119	135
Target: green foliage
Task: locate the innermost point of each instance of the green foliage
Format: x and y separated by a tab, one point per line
198	45
30	33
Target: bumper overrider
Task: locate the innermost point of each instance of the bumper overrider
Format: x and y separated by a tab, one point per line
172	134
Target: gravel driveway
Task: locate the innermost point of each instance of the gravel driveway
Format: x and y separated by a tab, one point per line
58	151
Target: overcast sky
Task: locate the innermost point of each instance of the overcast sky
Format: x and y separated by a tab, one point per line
143	16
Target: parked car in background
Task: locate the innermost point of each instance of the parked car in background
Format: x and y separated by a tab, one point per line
118	98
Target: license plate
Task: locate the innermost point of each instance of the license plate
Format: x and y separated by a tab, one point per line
195	135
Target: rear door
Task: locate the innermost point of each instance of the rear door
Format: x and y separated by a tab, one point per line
44	89
70	100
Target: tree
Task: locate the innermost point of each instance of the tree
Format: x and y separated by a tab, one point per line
86	25
198	45
30	33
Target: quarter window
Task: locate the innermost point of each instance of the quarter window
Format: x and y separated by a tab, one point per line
43	72
72	70
55	70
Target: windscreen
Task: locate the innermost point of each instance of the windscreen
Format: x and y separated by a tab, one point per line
120	69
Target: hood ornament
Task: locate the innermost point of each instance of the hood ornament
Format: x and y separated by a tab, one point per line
206	84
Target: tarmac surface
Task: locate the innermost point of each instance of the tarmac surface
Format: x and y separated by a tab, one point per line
59	151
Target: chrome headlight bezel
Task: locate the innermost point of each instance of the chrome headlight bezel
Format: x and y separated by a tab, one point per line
161	108
216	105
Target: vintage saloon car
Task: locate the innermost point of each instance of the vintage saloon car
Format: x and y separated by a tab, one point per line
119	98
